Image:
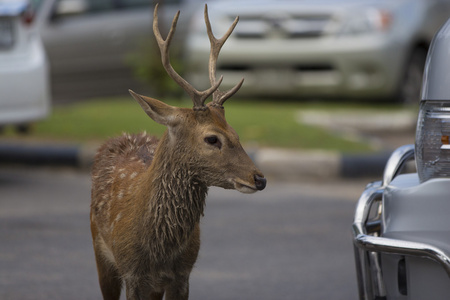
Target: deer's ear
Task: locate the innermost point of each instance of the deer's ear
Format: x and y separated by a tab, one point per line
160	112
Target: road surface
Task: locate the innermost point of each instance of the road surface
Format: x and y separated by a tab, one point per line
290	241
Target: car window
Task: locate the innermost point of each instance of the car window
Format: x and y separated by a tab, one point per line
94	6
71	8
98	6
132	3
36	4
91	6
137	3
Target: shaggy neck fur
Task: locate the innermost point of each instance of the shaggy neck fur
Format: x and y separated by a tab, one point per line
176	203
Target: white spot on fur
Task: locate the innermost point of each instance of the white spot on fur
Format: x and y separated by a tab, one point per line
123	175
107	253
130	188
118	217
134	174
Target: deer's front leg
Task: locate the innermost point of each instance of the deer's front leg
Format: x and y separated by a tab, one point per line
141	290
178	289
156	296
132	290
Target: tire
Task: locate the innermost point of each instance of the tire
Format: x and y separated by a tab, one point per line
411	84
23	129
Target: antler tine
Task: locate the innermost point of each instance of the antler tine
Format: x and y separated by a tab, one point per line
219	97
198	97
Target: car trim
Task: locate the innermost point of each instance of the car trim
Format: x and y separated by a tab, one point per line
368	246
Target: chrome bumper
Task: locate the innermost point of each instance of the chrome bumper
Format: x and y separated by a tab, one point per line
368	245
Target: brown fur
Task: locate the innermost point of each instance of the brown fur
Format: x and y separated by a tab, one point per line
164	232
148	197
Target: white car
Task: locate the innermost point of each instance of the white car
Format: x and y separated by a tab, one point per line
24	80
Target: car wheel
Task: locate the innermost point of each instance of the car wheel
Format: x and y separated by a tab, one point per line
23	128
411	85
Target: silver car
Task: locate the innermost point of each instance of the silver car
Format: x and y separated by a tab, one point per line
321	48
24	80
89	42
401	228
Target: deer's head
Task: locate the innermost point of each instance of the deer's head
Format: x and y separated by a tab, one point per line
202	133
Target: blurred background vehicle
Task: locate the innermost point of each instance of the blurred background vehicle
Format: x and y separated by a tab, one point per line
24	82
321	48
91	43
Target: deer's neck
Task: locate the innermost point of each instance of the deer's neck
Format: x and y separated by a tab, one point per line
176	200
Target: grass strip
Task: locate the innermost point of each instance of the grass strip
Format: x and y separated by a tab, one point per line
264	124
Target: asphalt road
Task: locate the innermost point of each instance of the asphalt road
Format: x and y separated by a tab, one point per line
290	241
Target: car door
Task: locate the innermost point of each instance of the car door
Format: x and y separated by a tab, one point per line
89	42
92	35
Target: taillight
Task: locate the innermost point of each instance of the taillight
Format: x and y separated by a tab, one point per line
432	147
28	16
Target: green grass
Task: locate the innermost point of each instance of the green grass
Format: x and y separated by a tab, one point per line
266	123
96	120
273	124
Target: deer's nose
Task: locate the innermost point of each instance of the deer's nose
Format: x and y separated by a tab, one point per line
260	182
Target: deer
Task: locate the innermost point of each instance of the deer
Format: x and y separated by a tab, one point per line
148	194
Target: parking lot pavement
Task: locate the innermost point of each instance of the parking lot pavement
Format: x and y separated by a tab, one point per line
44	228
290	241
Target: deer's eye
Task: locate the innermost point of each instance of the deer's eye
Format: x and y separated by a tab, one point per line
214	141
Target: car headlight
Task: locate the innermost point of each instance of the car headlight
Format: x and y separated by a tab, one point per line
433	126
369	21
433	140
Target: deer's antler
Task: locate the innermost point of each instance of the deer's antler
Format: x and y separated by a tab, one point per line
219	97
198	97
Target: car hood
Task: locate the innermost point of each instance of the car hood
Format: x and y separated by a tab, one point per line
255	6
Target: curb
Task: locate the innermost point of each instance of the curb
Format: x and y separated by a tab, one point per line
292	164
281	164
39	155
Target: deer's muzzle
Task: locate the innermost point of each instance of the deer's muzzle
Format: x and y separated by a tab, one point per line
260	182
